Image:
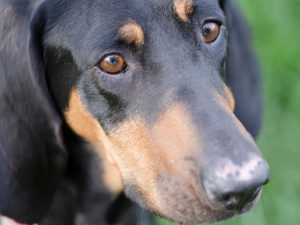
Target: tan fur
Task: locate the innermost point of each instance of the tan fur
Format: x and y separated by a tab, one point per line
183	9
158	161
228	104
144	153
132	33
83	124
230	97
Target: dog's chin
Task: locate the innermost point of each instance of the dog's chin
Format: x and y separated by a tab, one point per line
221	214
207	215
183	209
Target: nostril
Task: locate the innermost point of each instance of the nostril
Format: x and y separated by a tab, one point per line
236	201
266	181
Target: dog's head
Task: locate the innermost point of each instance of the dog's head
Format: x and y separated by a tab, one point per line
142	82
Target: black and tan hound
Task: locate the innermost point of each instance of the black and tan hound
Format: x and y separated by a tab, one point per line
104	97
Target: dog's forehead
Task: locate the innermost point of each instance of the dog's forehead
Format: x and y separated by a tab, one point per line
147	5
89	29
116	12
151	10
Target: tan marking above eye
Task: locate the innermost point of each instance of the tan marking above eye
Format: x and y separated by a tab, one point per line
210	31
183	9
132	33
113	64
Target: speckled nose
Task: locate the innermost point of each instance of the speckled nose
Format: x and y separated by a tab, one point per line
232	186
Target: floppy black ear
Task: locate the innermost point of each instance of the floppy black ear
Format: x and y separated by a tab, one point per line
242	69
32	154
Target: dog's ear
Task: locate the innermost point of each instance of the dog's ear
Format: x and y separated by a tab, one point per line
32	153
242	69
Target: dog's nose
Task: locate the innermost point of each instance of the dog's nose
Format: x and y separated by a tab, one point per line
233	186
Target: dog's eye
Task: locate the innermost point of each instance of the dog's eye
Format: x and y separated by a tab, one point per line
112	64
210	31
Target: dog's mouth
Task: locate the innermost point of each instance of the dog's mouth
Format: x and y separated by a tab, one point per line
186	202
221	215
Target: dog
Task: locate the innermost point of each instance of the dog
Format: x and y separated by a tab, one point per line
105	103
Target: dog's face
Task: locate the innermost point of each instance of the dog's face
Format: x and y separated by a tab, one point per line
142	81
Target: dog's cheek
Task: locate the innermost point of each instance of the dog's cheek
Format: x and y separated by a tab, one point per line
87	127
112	177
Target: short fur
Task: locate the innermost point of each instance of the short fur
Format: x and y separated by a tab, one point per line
183	9
132	33
73	138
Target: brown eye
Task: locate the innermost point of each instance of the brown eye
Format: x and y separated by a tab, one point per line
210	31
113	64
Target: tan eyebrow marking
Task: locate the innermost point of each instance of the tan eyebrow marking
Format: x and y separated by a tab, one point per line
183	9
132	33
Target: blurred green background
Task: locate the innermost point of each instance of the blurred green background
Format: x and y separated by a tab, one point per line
276	36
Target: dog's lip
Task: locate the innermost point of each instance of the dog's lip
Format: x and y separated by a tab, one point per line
222	214
249	205
253	203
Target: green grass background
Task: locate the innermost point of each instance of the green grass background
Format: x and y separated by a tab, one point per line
276	36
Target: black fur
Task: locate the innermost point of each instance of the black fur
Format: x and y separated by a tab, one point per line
43	164
32	152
